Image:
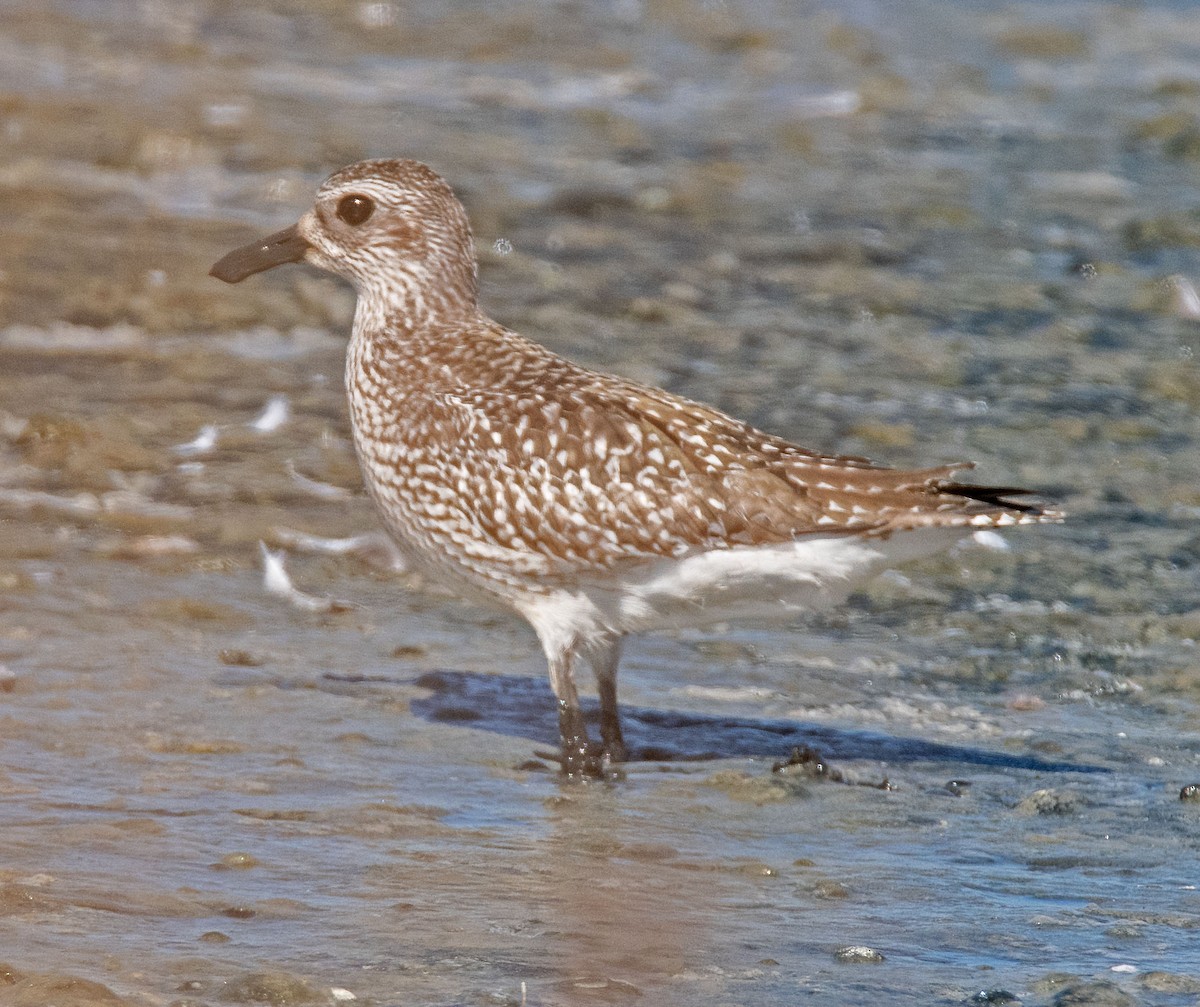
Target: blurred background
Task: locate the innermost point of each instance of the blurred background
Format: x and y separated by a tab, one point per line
921	232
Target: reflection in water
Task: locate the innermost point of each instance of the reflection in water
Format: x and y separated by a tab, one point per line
615	902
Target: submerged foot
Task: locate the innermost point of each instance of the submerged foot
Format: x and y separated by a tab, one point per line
579	759
585	762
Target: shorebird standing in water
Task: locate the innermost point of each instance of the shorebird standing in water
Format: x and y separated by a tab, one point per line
590	505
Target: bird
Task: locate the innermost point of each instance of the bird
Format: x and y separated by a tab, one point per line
591	505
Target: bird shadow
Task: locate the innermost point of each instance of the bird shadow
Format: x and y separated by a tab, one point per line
525	707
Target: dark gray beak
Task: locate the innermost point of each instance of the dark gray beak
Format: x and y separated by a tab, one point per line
274	250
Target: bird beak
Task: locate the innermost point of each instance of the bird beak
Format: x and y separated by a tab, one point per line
288	245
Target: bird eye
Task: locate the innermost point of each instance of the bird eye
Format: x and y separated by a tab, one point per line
355	209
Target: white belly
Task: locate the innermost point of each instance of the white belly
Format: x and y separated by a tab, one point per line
751	583
765	582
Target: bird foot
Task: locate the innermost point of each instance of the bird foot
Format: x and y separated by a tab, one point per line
615	750
579	759
585	762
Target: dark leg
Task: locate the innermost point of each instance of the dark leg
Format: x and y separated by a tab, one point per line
579	758
604	664
572	731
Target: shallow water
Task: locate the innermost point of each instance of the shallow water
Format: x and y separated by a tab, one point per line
920	232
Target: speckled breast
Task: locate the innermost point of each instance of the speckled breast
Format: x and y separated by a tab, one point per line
432	494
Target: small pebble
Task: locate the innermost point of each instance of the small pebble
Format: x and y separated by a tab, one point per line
994	997
831	890
271	988
240	658
600	989
1100	993
856	953
758	870
236	861
1049	802
1170	982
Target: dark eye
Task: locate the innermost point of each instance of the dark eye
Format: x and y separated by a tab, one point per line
355	209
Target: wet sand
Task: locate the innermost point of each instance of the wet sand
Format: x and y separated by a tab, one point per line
951	231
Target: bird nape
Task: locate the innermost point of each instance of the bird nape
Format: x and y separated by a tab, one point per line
590	505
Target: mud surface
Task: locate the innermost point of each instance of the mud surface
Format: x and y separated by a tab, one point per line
919	232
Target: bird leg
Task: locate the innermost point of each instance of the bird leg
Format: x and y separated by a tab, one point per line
579	758
604	661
